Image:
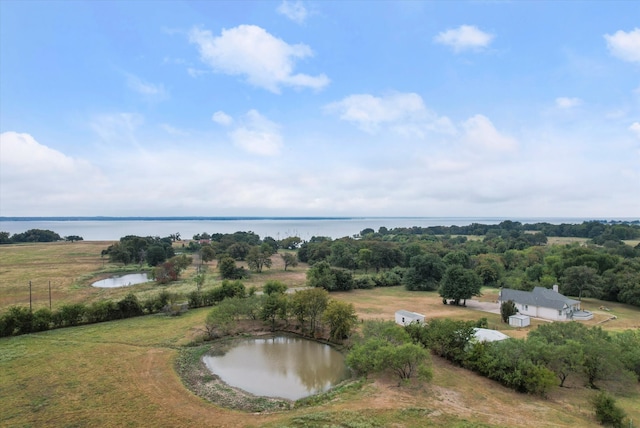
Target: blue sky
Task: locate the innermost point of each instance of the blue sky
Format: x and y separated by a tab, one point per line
481	108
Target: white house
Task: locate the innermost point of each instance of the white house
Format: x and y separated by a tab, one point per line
519	320
544	303
407	317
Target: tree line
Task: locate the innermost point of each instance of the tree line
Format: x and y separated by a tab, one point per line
35	235
458	266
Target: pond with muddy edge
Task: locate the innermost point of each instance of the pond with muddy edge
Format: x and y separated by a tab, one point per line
280	366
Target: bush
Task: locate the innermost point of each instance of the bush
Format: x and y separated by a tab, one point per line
130	306
71	314
607	412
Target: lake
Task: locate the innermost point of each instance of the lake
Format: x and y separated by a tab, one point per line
281	366
112	229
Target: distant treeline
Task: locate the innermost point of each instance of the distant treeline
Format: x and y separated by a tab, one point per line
35	235
596	230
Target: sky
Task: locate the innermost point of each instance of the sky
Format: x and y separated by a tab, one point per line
320	108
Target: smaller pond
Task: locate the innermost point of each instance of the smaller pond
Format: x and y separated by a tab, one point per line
281	366
122	281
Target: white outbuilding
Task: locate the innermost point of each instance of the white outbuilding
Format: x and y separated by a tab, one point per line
407	317
519	320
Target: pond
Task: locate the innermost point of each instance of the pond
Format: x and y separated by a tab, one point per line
281	366
122	281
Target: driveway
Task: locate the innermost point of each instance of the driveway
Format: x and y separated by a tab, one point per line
491	307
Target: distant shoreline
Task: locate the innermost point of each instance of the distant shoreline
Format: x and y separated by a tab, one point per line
323	218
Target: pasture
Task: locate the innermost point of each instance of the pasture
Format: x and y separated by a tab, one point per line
122	373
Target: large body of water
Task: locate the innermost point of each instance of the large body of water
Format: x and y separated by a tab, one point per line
112	229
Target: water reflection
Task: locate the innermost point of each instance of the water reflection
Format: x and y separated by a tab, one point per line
280	366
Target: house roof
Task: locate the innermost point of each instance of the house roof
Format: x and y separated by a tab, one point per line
487	335
540	296
409	314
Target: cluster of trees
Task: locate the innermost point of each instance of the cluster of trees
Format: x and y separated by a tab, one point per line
136	249
458	267
35	235
598	230
17	320
311	312
550	355
385	346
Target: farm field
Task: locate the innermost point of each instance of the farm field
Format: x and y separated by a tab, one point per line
121	373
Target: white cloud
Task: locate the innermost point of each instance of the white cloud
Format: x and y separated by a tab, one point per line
222	118
173	130
625	46
464	37
257	135
635	128
295	11
145	88
480	132
117	128
34	175
405	113
266	61
567	103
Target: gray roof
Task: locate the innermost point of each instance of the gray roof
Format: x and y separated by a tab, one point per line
409	314
540	296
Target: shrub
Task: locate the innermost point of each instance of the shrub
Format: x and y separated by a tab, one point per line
130	306
607	412
71	314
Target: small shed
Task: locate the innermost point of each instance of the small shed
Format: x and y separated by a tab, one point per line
519	320
407	317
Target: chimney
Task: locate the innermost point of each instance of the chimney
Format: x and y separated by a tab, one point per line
555	287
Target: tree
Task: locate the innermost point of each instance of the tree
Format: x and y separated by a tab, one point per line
581	280
387	346
207	253
507	309
4	238
424	273
321	275
259	257
289	259
229	270
364	258
308	306
155	255
73	238
274	287
341	318
221	320
458	284
290	243
239	250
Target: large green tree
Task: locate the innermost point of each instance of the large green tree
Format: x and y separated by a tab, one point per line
341	318
459	284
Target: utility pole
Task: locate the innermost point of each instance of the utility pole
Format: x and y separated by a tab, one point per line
30	307
49	294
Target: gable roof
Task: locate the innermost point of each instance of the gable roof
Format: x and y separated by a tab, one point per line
409	314
540	296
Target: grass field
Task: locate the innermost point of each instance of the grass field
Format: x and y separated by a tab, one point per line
121	373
